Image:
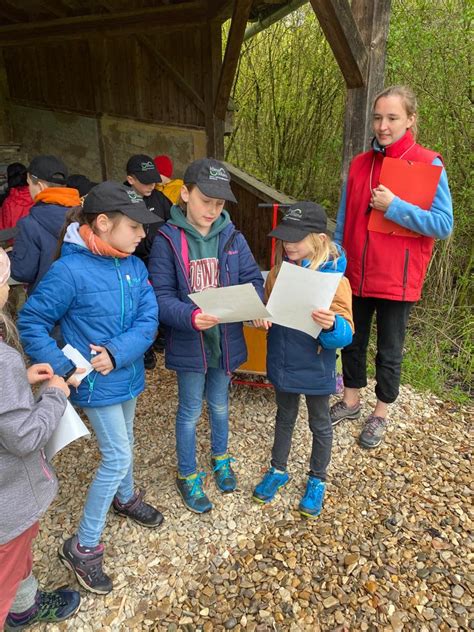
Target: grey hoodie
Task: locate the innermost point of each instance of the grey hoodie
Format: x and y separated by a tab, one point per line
27	481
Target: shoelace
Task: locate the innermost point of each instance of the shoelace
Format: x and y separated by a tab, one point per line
315	489
196	489
373	424
50	600
269	481
224	464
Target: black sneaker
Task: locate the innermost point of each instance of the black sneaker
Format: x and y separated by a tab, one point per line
54	606
139	511
86	566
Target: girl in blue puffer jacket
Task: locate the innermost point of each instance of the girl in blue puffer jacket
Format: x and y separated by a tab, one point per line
298	364
199	248
107	310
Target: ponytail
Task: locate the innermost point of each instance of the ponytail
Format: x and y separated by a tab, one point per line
76	215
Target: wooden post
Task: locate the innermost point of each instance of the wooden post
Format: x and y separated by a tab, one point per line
211	64
95	65
372	18
231	56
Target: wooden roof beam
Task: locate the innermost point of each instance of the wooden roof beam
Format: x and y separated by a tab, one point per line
9	12
163	16
219	9
231	57
340	28
55	7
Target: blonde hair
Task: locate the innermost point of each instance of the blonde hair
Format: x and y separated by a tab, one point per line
322	250
408	99
8	330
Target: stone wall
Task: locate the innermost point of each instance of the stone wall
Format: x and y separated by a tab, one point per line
75	138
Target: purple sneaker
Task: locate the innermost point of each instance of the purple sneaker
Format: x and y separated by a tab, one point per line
86	565
139	511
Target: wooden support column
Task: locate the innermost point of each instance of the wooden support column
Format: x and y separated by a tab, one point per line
231	56
95	66
372	18
211	64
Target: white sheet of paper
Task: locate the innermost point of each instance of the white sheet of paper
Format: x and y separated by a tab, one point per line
232	304
79	360
70	428
297	292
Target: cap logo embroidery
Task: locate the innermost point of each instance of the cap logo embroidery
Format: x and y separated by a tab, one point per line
218	173
134	197
294	214
147	166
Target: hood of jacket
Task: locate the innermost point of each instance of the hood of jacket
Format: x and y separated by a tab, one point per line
179	219
49	216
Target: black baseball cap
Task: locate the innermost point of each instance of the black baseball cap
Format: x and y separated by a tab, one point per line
211	178
109	197
143	168
48	168
301	219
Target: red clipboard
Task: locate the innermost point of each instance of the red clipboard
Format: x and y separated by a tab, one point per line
414	182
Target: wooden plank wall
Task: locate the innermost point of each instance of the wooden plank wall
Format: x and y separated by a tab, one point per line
127	81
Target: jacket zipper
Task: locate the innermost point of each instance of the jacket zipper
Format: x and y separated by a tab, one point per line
363	264
122	297
129	283
405	273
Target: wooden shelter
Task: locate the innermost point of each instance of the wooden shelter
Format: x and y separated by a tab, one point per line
98	80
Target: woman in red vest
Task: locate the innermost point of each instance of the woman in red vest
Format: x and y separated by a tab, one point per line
386	270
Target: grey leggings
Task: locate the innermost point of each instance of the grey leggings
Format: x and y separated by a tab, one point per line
320	426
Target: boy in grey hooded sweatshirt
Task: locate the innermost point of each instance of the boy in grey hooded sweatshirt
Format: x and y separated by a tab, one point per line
27	481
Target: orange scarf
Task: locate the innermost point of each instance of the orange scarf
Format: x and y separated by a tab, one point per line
64	196
98	246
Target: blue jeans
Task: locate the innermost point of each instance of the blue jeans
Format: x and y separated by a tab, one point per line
192	388
113	427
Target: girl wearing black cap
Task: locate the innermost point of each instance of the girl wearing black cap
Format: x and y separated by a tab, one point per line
105	305
297	363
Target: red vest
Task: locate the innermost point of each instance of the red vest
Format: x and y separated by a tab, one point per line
382	265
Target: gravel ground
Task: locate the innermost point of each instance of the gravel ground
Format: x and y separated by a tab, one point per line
390	552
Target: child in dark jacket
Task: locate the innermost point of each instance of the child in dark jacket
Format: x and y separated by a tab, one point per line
38	232
27	481
200	248
107	310
299	364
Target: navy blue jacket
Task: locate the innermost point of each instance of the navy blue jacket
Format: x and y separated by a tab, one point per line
100	300
185	350
36	243
297	363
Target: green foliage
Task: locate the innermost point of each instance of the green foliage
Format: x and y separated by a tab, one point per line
289	129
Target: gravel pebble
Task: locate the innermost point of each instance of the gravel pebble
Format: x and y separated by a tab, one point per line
387	553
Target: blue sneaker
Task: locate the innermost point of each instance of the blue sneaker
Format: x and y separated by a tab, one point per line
190	489
223	473
269	485
312	501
